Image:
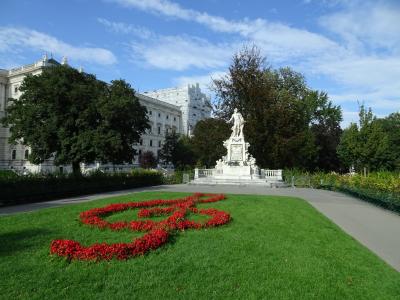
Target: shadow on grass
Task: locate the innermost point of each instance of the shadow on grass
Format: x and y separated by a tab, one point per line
16	241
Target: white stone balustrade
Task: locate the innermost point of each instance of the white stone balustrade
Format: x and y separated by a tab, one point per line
267	174
273	174
199	173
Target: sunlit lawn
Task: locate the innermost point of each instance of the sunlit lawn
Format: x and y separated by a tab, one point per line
274	247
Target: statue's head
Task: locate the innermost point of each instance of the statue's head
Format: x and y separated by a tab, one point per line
235	110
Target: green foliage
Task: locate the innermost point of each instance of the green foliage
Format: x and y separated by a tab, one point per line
177	176
368	146
37	187
287	123
147	160
381	188
76	118
207	141
274	248
7	174
178	151
391	126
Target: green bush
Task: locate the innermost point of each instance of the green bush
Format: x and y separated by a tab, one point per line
4	174
382	188
177	176
35	188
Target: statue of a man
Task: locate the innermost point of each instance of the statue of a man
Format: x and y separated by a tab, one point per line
238	123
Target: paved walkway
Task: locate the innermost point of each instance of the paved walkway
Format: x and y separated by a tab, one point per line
374	227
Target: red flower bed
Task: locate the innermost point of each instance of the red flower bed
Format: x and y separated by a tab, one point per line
157	231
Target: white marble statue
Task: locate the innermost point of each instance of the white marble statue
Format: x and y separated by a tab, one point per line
238	123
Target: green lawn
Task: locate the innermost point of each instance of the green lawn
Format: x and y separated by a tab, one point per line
274	248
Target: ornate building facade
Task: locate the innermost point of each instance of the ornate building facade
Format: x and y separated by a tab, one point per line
176	109
194	104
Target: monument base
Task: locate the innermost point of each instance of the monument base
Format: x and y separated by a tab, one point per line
238	166
238	175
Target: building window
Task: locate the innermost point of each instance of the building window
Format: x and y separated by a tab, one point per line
159	115
14	154
140	152
151	143
194	115
174	118
26	155
15	89
150	113
167	117
159	144
140	142
159	129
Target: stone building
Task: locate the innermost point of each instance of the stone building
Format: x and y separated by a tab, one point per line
194	104
176	109
15	156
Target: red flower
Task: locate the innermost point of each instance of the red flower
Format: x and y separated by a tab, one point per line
157	231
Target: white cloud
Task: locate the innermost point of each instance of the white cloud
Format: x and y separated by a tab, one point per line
359	48
180	53
373	25
120	27
279	41
11	37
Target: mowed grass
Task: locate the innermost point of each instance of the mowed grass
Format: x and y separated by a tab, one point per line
274	248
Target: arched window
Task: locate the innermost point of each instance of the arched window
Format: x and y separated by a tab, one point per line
26	155
14	154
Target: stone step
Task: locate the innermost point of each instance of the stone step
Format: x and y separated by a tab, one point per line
256	182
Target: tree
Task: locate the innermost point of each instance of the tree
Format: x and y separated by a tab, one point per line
284	118
391	126
178	151
73	117
147	160
349	147
325	126
208	138
367	146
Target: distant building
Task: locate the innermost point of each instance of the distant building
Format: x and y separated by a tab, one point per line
176	109
15	156
194	104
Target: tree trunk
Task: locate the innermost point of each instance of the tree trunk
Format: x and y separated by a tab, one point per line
76	169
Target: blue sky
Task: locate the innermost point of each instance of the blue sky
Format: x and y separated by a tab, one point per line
350	49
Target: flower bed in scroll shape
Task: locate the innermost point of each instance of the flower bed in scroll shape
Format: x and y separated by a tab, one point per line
156	232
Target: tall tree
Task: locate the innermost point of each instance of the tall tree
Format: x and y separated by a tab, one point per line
177	150
147	160
325	125
284	118
207	141
367	146
391	126
73	117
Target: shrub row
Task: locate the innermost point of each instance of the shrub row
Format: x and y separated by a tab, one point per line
177	176
36	188
381	188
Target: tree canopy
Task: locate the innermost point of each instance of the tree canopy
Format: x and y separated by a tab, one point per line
73	117
207	140
147	160
178	151
369	144
287	124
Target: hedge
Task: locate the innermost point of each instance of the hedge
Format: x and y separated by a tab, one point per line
380	188
36	188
